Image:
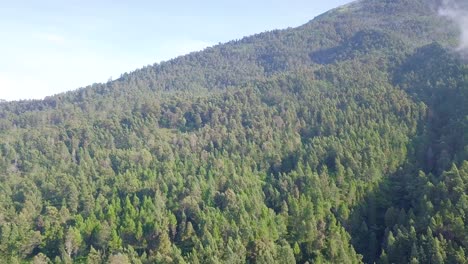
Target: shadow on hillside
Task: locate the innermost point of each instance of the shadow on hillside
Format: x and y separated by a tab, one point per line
428	77
366	223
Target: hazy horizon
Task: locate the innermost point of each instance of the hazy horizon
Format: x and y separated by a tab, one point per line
54	47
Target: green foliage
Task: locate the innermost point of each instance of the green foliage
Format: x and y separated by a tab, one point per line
341	141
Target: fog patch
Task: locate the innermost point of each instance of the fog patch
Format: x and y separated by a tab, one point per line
457	11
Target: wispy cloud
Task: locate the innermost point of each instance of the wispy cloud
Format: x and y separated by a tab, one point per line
457	11
174	48
13	87
40	72
51	38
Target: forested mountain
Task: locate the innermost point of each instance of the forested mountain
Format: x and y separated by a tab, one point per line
344	140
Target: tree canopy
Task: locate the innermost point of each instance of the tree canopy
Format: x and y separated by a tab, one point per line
341	141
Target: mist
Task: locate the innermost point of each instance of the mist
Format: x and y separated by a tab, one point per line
457	11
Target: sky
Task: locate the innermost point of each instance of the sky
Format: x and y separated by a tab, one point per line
52	46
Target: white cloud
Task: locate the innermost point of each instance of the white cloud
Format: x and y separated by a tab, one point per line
44	72
14	87
457	11
51	38
176	48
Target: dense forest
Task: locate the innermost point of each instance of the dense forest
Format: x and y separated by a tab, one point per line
344	140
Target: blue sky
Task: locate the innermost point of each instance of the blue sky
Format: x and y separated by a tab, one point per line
52	46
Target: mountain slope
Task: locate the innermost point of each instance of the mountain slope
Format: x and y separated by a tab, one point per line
343	140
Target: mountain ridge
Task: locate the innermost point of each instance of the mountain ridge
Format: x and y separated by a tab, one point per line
270	36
